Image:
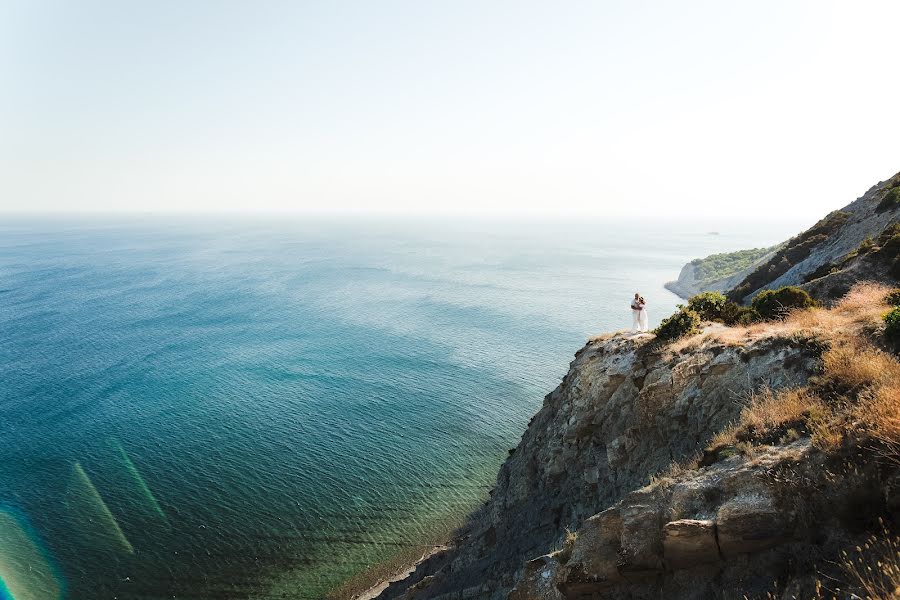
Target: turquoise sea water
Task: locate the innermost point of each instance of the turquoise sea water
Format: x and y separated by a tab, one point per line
253	408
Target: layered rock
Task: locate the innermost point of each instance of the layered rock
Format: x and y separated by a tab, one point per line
734	529
657	538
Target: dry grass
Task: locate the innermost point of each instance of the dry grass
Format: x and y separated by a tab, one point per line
855	365
568	542
676	468
858	391
768	410
857	312
872	569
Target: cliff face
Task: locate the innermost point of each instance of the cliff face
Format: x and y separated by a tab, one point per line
688	284
626	410
737	463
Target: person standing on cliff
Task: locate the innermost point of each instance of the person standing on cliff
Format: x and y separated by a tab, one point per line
639	313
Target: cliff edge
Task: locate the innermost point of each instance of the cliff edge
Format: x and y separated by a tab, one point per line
757	461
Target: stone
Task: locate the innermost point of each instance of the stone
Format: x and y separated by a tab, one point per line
595	553
749	524
538	580
642	549
689	542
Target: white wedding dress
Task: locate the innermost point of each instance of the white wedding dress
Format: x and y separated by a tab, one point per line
644	320
640	320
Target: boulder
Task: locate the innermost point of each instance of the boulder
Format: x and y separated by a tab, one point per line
593	565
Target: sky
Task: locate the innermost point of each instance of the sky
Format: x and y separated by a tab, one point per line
763	108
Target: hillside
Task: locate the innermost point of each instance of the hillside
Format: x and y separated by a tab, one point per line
746	461
717	272
852	244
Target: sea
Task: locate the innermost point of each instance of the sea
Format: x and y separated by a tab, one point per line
272	406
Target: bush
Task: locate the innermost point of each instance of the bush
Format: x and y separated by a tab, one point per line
684	322
709	306
890	201
892	326
714	306
775	304
743	315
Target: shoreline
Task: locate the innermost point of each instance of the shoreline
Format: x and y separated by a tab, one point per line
398	574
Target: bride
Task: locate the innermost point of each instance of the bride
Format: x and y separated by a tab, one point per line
639	313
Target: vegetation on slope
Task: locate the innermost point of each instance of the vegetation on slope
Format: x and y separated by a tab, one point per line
891	200
851	408
881	253
720	266
715	306
792	252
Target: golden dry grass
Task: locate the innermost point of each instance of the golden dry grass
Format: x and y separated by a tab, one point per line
860	310
856	364
858	391
768	410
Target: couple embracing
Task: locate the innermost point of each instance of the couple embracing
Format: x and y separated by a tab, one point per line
639	313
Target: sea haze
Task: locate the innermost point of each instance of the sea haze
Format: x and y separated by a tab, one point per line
253	408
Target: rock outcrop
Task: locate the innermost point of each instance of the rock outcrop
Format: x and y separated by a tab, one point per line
694	536
627	409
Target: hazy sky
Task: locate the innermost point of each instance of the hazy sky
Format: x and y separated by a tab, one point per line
720	107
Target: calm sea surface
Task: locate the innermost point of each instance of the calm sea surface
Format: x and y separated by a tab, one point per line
262	409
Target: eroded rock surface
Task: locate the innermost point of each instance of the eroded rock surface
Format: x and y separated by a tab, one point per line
625	411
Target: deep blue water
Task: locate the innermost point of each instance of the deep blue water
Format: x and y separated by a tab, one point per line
258	408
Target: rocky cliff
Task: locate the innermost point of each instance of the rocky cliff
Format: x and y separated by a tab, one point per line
740	462
626	410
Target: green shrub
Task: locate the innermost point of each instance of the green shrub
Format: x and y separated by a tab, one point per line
709	306
866	246
893	298
775	304
735	314
890	201
892	326
684	322
890	248
714	306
